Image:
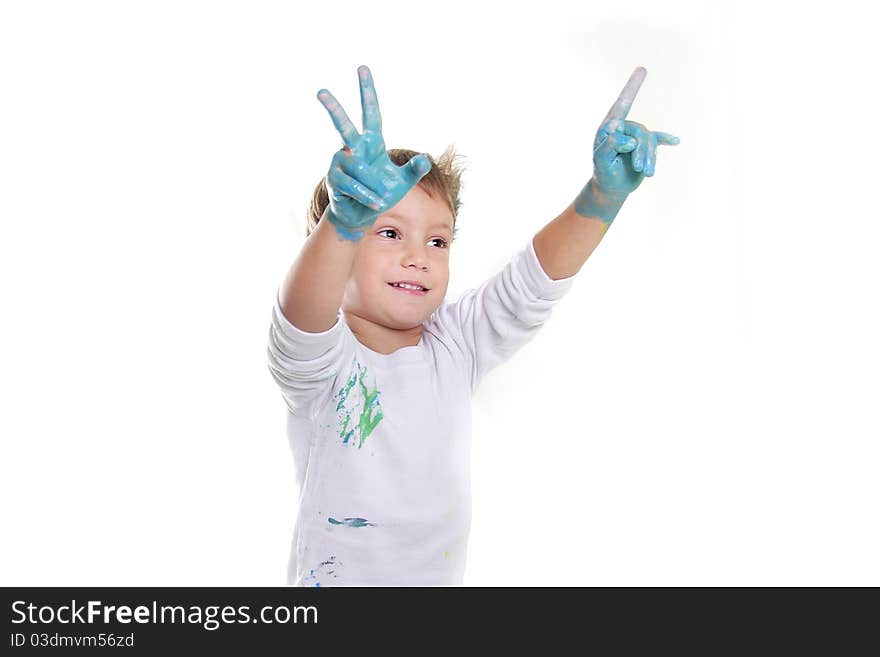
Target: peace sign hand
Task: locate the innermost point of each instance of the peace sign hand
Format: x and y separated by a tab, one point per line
363	182
624	152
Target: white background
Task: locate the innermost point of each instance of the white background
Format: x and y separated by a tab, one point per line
701	409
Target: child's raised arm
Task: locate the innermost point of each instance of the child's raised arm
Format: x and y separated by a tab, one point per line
624	152
362	183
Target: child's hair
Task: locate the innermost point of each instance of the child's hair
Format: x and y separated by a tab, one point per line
443	180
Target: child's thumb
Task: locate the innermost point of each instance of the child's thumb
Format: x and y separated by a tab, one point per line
614	143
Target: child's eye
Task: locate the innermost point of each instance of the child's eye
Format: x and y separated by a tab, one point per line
443	243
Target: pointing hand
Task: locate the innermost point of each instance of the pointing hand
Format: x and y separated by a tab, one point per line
624	152
363	182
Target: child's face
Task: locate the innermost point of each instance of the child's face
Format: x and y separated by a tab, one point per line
410	242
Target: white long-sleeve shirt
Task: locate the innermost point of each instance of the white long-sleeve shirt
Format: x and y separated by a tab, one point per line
381	442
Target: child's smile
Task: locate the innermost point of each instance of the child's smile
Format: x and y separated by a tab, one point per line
409	287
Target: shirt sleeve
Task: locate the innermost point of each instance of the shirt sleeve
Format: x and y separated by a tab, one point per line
504	313
305	365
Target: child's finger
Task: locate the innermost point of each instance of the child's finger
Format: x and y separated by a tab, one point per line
345	184
640	133
639	156
627	146
369	101
340	119
614	143
416	169
650	155
362	172
622	105
666	139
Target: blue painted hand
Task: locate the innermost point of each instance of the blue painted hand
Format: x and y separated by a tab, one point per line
363	182
624	152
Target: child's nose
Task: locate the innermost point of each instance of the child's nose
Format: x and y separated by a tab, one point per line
416	255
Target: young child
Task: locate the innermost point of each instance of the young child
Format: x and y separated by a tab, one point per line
377	369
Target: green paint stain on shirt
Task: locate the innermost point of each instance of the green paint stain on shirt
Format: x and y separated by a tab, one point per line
343	392
368	421
370	412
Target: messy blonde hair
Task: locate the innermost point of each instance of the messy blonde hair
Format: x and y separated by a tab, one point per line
443	181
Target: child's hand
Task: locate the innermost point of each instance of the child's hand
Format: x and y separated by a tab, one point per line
624	152
363	182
